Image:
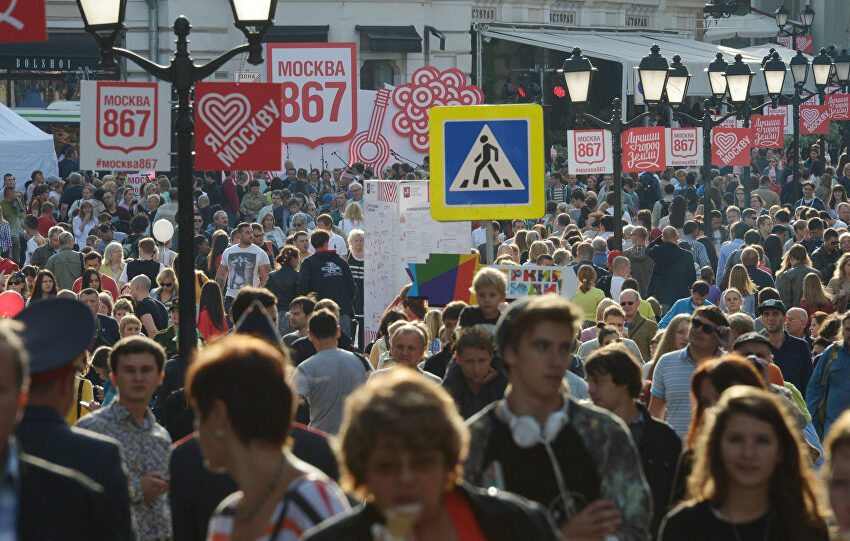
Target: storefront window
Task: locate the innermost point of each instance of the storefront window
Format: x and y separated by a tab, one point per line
38	93
375	73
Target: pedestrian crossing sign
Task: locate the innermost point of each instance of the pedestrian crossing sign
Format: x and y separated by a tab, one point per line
487	162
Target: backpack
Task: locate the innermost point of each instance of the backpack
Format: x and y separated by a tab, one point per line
665	209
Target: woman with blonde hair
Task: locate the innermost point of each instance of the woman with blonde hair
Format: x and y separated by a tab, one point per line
84	222
352	219
675	338
433	320
751	478
520	240
739	279
130	325
815	298
839	285
587	296
537	249
168	290
401	446
113	261
731	301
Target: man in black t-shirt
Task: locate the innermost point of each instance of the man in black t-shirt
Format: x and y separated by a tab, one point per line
145	265
151	312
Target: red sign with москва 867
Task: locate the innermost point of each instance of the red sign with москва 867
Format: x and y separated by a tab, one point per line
237	126
319	102
125	126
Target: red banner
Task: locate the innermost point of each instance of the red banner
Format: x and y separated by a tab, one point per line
22	20
237	126
804	43
768	131
839	106
643	150
731	146
814	119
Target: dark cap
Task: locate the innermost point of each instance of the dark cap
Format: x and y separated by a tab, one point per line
752	337
56	332
772	303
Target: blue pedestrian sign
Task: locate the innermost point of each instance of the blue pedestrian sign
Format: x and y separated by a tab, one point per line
487	162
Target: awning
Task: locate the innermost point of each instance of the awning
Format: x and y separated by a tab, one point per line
297	34
751	25
61	52
628	48
394	39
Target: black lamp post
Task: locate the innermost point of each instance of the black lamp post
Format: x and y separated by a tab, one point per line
104	19
654	73
807	16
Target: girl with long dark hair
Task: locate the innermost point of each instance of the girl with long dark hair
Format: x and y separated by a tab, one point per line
220	242
45	286
211	320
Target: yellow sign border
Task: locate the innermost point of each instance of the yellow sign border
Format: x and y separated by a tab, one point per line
531	112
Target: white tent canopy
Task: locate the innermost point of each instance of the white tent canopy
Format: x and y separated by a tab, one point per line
628	48
751	25
24	148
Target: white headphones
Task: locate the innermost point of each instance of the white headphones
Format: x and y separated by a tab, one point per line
526	431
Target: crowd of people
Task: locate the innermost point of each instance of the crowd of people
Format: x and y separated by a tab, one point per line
694	386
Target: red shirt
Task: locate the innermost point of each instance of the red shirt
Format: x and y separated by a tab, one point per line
206	327
106	283
7	266
44	225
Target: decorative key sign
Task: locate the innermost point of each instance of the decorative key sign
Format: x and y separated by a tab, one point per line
814	119
589	152
684	147
839	106
731	146
237	126
125	126
643	150
319	81
768	131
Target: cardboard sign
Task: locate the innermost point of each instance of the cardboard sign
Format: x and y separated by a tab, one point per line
839	106
319	81
785	111
533	280
768	131
137	180
731	146
590	152
814	119
237	126
684	147
644	150
22	20
125	126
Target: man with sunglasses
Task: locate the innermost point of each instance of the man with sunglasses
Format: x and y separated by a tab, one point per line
640	330
671	382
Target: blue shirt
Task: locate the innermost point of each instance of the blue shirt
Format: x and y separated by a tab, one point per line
838	382
10	489
682	306
725	251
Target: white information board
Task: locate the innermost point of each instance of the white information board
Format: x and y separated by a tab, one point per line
399	230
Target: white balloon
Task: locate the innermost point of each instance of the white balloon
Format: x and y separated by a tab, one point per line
162	230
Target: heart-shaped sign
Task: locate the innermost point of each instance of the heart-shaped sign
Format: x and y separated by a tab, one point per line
725	141
224	114
809	116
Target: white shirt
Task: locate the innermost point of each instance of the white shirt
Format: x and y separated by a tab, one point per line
243	266
335	243
31	246
616	287
479	237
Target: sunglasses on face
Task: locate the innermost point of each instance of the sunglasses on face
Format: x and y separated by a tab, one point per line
703	326
15	283
627	303
166	284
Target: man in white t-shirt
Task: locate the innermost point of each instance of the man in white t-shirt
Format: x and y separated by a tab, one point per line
243	264
337	243
34	238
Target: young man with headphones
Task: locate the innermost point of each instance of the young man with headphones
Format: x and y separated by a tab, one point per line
577	460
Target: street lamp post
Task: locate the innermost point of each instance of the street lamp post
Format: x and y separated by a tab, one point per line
104	19
654	73
807	16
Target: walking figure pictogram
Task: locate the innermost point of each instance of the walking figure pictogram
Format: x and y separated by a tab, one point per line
486	151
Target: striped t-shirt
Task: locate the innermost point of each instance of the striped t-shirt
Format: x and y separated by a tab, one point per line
672	382
309	500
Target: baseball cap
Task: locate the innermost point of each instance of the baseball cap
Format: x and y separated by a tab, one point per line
752	337
772	303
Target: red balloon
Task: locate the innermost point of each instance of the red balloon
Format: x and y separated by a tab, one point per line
11	303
